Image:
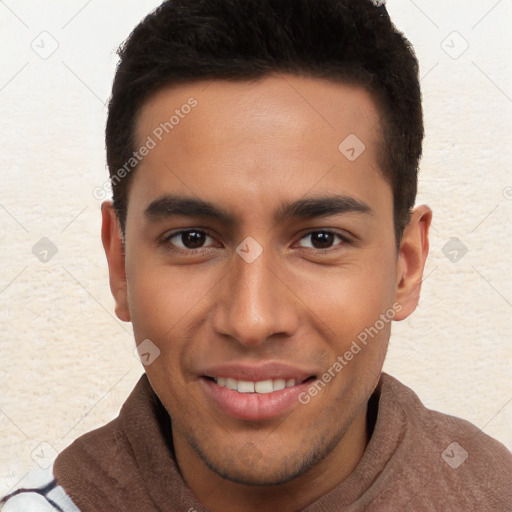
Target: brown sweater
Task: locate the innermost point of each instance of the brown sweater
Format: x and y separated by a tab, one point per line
411	463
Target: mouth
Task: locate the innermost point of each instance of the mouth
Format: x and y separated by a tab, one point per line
262	387
254	400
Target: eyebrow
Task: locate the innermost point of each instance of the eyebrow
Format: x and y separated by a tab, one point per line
307	208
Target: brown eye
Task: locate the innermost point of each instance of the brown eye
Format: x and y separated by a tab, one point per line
322	239
191	239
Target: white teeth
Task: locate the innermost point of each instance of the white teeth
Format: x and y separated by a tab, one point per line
262	387
280	384
231	384
245	386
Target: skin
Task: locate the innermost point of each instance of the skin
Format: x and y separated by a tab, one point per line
247	147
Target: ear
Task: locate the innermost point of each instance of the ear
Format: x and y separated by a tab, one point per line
412	256
112	243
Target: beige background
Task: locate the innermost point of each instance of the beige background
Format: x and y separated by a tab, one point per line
66	362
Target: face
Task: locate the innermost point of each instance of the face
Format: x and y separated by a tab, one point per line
258	250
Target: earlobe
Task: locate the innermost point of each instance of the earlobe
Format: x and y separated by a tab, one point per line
412	256
112	243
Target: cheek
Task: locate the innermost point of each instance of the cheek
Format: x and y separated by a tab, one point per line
160	304
160	297
168	305
351	300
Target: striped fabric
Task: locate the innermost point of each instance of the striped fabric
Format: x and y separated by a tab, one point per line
38	493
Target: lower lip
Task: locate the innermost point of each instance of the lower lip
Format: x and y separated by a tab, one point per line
253	406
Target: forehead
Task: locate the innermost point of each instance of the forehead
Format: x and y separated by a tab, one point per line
258	140
272	105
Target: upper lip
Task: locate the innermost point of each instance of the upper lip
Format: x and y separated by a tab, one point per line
256	373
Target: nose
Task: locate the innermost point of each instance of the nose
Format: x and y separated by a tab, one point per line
254	303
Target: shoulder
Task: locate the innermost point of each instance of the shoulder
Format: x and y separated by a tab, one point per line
450	454
38	492
438	428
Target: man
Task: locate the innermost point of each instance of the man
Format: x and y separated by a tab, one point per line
262	237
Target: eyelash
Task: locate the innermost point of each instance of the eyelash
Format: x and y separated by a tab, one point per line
201	250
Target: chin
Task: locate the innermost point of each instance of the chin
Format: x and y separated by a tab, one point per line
255	476
248	467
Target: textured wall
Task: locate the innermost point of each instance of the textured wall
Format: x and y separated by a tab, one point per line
66	362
